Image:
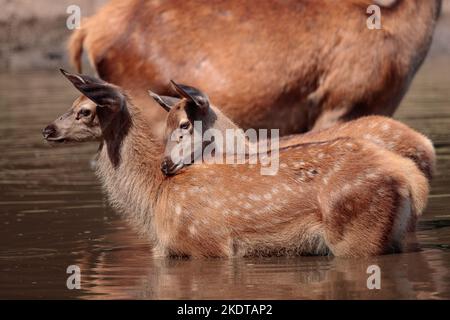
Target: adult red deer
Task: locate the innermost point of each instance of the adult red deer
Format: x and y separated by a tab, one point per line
357	200
294	64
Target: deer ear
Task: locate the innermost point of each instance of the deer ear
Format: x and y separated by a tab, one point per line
97	90
164	101
74	78
192	94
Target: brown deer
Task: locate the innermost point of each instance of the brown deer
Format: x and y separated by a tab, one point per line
355	200
382	131
295	65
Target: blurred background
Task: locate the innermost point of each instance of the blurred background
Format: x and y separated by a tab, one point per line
33	33
53	212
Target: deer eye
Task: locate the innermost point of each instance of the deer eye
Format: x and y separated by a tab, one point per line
185	125
85	112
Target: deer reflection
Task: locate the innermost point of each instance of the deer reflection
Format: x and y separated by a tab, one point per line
129	271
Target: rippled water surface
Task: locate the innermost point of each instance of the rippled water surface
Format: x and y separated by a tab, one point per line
53	214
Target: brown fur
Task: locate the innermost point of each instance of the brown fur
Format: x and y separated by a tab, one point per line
294	65
382	131
356	201
347	206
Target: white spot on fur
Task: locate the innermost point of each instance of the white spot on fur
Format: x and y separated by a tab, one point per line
247	205
371	176
195	190
192	229
346	187
178	209
336	167
254	197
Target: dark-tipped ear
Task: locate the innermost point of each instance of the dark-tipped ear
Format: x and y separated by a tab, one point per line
194	95
74	78
164	101
100	92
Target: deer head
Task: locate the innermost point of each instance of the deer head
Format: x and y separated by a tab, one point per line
90	114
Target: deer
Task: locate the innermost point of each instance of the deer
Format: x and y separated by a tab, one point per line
311	64
357	200
385	132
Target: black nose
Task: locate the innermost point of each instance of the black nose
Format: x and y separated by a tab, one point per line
166	164
49	131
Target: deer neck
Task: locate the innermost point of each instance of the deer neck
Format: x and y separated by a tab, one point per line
128	166
220	121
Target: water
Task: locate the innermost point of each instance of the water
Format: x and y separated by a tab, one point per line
53	214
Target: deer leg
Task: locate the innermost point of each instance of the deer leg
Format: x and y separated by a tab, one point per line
314	106
364	224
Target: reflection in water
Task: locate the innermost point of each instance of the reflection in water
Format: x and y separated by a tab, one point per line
53	214
407	276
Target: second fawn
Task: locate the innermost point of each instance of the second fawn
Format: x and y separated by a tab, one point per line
382	131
